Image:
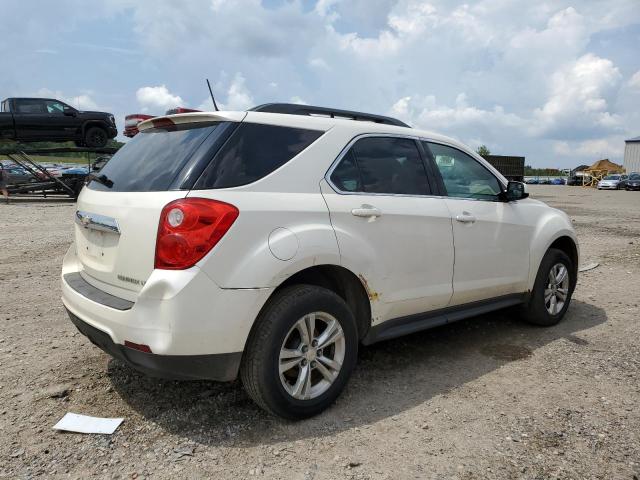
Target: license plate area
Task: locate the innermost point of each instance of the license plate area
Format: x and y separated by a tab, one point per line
95	243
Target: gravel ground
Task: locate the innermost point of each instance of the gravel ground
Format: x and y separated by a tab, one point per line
490	397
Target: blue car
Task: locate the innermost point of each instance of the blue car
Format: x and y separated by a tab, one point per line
76	171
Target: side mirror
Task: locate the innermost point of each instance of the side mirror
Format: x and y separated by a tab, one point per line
515	191
69	112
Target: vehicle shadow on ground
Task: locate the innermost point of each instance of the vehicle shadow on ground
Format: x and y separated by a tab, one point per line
435	361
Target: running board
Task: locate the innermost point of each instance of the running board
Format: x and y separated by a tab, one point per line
398	327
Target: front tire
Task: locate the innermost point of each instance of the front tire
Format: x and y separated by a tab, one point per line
552	291
95	137
300	353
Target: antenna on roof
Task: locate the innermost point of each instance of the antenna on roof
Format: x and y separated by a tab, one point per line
215	105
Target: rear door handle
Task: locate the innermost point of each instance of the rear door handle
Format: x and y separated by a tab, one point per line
466	217
367	211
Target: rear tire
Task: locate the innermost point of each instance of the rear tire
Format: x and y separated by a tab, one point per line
95	137
294	374
552	290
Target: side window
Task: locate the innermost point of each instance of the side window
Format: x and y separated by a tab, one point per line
30	106
463	175
55	107
252	152
382	165
346	175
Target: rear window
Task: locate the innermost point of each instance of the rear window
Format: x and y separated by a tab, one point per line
252	152
387	165
154	158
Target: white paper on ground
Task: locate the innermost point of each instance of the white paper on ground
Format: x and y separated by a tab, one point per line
589	266
73	422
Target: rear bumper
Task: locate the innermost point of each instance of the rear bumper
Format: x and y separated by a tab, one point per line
194	328
221	367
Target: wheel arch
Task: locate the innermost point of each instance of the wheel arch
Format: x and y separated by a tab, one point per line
567	245
341	281
564	241
93	123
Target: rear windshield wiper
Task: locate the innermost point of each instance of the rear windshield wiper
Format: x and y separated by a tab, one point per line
103	179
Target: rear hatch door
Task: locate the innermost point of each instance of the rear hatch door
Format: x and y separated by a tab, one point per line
118	212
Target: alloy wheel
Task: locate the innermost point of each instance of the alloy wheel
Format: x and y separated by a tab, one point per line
557	291
311	355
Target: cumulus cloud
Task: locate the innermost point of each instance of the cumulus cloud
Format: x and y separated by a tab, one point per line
634	81
81	101
158	98
319	63
324	8
579	101
461	120
595	149
236	95
565	34
520	76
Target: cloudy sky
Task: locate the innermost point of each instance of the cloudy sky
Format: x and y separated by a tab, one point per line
556	81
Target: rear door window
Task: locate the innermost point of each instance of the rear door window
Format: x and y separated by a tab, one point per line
386	165
30	106
346	176
252	152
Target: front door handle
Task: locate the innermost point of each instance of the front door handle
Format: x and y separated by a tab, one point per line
466	217
367	211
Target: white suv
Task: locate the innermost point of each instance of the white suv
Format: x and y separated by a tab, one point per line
269	244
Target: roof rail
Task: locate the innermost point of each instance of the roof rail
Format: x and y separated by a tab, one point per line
296	109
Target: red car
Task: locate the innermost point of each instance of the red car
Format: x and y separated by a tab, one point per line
131	121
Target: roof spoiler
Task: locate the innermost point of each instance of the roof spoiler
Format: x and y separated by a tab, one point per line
310	110
177	119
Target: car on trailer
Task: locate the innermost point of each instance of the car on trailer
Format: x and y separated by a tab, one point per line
19	175
132	121
45	119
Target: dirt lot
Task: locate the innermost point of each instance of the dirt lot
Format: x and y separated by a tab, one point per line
490	397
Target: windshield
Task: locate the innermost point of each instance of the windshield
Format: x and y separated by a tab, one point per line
153	159
612	177
634	176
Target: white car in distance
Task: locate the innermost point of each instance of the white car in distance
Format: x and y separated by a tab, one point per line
611	182
271	243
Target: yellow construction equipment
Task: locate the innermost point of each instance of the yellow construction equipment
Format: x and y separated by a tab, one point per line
599	170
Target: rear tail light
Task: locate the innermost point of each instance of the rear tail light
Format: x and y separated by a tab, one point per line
189	228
